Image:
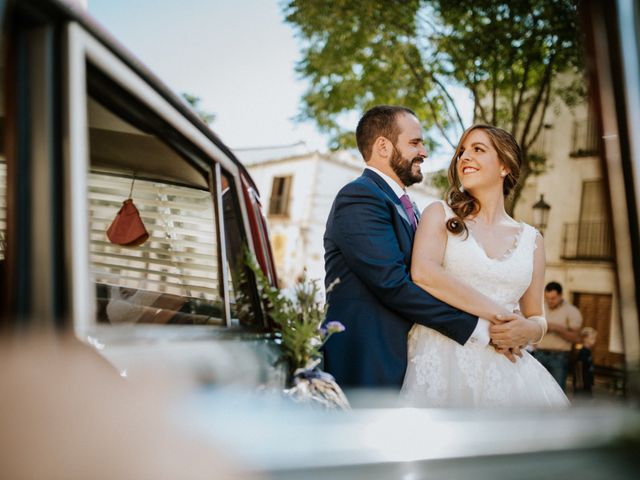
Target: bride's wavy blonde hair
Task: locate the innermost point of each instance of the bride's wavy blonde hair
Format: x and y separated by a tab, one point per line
462	202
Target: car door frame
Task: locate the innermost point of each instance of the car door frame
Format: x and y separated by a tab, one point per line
613	53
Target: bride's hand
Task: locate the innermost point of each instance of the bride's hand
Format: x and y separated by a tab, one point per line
510	353
514	331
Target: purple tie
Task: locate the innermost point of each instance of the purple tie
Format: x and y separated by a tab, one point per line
406	203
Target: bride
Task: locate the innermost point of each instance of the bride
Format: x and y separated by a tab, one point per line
470	254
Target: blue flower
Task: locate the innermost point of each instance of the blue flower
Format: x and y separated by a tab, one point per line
334	327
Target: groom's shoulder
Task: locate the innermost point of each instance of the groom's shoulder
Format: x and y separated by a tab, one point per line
362	185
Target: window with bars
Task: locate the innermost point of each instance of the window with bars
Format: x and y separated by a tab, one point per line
591	238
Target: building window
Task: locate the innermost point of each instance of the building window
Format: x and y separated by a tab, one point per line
585	137
280	194
596	313
591	237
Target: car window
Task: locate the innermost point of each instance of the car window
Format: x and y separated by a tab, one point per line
245	304
137	181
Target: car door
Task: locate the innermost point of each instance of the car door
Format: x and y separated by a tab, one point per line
614	69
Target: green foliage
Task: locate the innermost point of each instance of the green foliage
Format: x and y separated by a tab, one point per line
515	58
354	55
538	163
299	318
439	180
194	101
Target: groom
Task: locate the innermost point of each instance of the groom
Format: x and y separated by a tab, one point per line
368	243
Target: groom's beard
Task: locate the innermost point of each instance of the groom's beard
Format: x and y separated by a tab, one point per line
404	168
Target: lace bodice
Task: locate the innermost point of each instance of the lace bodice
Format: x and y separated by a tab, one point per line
503	279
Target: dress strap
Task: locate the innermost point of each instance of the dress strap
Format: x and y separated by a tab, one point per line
448	213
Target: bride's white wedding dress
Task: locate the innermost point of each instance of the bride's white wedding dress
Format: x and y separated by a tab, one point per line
443	373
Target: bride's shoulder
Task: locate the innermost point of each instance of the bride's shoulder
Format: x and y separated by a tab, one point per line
437	210
532	230
434	216
534	235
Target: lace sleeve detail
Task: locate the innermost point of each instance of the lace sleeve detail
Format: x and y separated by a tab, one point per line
535	238
531	235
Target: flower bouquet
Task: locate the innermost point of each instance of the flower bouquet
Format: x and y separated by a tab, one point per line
299	316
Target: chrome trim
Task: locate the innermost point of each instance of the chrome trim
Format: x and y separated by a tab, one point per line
81	298
244	208
111	65
223	265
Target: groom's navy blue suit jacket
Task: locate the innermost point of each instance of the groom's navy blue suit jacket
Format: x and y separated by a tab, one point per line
368	243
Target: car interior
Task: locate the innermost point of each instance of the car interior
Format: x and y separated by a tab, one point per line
172	277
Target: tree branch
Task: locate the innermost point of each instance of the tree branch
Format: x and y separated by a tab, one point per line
451	101
536	102
494	91
420	86
437	122
545	105
513	98
477	104
523	87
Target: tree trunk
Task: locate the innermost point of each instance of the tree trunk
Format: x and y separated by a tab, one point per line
512	200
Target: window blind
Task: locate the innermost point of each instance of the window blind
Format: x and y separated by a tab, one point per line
180	257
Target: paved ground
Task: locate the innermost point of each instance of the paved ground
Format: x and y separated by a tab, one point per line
607	389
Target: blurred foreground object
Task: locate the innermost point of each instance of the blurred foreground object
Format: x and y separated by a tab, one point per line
66	413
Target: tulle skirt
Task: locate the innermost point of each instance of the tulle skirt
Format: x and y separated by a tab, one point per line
442	373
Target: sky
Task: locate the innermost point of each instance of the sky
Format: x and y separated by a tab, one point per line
238	56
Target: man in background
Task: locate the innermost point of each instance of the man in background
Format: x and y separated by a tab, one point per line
564	322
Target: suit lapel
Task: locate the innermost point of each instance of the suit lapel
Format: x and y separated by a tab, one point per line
384	186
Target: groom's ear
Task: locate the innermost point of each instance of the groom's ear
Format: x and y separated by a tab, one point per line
382	147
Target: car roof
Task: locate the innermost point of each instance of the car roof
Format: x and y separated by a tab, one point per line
67	10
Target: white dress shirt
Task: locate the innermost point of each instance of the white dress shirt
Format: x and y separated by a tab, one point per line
397	189
480	334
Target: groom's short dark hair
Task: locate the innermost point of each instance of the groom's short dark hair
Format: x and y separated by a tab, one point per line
379	121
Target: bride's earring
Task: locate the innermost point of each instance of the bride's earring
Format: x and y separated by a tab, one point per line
503	174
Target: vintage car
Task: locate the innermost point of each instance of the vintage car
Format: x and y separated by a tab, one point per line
85	127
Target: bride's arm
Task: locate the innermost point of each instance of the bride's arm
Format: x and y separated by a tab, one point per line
532	302
428	272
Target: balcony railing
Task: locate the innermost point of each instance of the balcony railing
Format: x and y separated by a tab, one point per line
587	241
585	138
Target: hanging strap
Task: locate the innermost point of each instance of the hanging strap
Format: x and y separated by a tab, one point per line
133	180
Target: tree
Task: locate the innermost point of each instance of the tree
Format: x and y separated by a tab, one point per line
516	59
194	101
